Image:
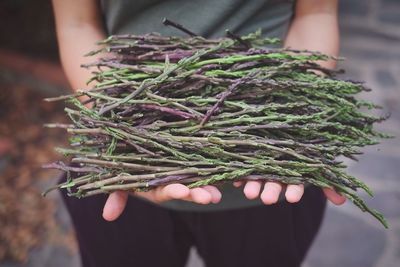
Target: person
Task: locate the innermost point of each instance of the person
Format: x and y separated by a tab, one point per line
227	226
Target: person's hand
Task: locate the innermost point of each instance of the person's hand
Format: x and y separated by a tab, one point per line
116	201
271	191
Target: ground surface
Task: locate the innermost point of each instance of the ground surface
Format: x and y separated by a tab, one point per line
371	43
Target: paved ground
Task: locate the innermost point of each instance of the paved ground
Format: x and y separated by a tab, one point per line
371	42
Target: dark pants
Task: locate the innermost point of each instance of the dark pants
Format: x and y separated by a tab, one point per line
148	235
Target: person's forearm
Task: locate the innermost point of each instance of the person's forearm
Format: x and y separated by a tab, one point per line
78	29
72	55
315	28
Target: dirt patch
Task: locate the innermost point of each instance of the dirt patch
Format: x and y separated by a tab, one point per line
26	218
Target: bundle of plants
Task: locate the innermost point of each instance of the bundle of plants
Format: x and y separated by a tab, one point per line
202	111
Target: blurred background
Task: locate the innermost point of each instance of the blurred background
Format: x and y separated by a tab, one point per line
37	232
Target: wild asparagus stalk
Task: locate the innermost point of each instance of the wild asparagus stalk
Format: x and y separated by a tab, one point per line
200	111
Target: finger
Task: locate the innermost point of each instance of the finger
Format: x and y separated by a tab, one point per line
270	194
294	192
334	196
252	189
215	193
200	196
168	192
237	183
115	205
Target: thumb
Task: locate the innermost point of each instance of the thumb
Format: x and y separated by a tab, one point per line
115	205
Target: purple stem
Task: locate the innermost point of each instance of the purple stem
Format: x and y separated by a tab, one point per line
140	148
168	179
172	111
61	166
221	100
168	22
